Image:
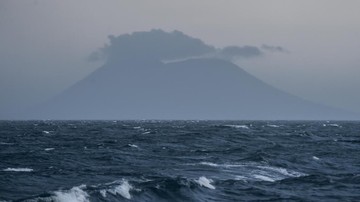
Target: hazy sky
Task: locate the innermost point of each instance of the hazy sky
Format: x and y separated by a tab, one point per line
44	45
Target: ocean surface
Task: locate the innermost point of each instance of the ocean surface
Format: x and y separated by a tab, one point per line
69	161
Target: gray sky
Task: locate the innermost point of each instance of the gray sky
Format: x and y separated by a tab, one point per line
44	45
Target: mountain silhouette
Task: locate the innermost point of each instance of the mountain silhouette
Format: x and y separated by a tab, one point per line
139	85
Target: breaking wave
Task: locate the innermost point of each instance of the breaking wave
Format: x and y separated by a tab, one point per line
75	194
205	182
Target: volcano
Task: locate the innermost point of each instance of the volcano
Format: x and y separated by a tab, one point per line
136	83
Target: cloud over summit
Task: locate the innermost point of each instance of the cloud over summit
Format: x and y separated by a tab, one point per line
160	45
154	45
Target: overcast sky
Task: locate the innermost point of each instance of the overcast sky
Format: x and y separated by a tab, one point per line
44	45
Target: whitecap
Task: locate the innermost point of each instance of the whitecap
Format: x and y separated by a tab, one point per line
238	126
75	194
147	132
255	171
133	145
49	149
227	165
264	178
137	127
103	193
123	189
205	182
273	126
18	170
209	164
332	124
242	178
316	158
282	171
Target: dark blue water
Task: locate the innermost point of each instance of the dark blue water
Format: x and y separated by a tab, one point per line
179	161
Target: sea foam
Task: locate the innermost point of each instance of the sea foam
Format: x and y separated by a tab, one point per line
123	189
251	171
18	170
332	125
264	178
273	126
75	194
316	158
282	171
209	164
133	145
205	182
238	126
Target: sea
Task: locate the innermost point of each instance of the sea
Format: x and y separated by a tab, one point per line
150	160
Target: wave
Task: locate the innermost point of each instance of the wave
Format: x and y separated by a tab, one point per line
75	194
238	126
254	171
209	164
6	143
316	158
204	161
133	145
264	178
332	125
205	182
123	189
273	126
18	170
143	130
156	189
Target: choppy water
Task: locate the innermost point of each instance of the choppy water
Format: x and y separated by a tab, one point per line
179	161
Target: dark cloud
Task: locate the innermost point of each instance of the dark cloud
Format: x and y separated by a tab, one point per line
160	45
273	48
154	45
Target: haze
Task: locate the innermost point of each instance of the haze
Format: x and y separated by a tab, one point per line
46	45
